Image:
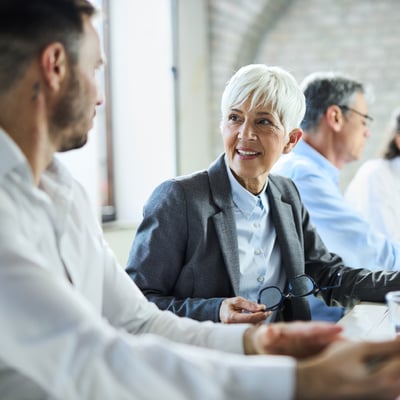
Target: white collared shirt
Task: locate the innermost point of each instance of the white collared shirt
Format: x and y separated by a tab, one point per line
374	191
67	308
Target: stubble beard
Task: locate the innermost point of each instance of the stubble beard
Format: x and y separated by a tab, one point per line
68	114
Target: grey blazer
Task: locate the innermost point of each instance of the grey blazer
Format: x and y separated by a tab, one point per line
185	254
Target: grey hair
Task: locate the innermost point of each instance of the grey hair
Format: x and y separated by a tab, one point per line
324	89
266	85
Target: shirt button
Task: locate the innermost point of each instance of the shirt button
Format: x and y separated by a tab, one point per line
256	225
257	252
260	279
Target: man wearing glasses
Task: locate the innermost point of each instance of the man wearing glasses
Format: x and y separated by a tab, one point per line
335	126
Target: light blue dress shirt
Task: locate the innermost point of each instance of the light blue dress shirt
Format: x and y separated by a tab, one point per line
342	229
259	252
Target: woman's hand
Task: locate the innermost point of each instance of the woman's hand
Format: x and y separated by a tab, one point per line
235	310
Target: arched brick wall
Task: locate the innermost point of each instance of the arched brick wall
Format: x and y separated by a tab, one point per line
357	37
236	29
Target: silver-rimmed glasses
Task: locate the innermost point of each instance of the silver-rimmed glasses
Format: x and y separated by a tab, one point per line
368	118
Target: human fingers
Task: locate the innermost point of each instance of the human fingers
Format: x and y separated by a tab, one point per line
296	339
384	378
312	337
300	339
381	367
232	311
337	372
247	318
368	370
382	350
309	329
247	305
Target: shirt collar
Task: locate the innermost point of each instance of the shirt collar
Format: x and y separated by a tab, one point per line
12	158
304	149
242	198
57	181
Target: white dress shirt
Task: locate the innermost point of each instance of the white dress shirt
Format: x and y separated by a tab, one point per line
72	322
375	193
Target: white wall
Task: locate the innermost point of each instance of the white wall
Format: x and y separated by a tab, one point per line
83	164
193	133
142	104
142	101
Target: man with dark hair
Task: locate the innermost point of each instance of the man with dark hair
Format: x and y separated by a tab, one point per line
73	324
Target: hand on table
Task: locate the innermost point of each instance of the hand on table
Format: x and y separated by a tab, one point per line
296	339
239	310
351	370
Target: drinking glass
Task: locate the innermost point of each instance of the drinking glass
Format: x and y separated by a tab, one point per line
393	303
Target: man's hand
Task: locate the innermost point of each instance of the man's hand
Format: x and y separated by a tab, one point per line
351	370
239	310
296	339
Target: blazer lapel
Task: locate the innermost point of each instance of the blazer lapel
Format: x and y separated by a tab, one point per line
224	220
286	232
291	251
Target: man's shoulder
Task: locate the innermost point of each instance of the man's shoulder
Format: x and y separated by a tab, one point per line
292	164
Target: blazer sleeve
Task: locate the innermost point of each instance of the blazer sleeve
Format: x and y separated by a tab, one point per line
157	257
358	284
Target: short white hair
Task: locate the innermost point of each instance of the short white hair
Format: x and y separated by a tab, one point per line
266	85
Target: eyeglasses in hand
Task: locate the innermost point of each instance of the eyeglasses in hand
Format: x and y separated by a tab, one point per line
299	286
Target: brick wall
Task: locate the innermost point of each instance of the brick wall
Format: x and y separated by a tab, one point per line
360	38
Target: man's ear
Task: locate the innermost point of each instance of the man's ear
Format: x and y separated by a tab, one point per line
334	117
294	136
53	62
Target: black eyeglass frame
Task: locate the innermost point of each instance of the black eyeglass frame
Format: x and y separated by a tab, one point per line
314	290
347	108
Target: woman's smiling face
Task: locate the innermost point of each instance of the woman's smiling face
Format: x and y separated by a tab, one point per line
254	138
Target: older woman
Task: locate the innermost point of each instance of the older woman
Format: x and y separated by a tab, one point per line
221	243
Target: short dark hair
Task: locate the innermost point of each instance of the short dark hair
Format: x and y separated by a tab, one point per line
323	90
28	26
392	151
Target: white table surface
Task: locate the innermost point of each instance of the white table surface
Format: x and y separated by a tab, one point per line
368	321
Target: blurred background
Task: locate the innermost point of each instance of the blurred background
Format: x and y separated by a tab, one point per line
168	62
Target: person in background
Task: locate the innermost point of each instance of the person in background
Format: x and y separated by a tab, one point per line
336	126
374	191
224	243
73	324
